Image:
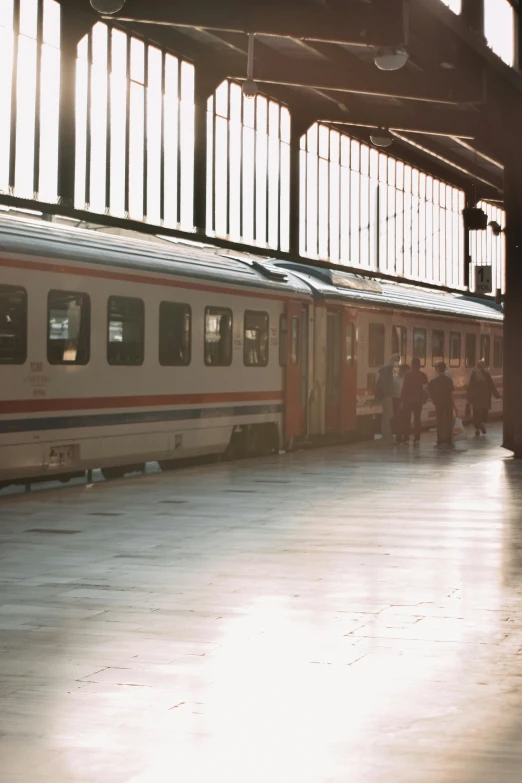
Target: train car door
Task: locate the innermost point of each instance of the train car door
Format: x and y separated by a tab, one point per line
334	357
296	374
349	373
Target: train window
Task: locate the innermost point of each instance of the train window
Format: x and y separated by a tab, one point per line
218	336
485	348
419	345
349	344
255	343
437	346
498	352
471	350
283	340
294	347
13	324
399	341
68	327
376	345
454	349
174	334
126	331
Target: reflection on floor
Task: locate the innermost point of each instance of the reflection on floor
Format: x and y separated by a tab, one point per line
344	615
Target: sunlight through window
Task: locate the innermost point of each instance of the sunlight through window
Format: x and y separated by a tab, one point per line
499	28
455	5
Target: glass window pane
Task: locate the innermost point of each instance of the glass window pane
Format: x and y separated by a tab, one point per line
498	352
399	342
349	344
68	327
419	345
294	347
454	352
174	334
376	345
126	331
13	324
256	339
437	346
218	337
485	348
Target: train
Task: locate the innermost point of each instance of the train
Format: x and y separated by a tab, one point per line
116	350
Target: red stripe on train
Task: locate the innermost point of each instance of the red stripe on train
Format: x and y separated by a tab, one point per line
142	401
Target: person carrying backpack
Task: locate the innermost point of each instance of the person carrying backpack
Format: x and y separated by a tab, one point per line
413	397
384	395
480	390
441	392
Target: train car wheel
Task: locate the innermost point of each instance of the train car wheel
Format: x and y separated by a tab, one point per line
113	473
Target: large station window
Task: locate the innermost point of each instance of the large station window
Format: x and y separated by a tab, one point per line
13	324
174	334
255	342
485	348
218	337
399	342
454	349
419	345
471	350
68	327
376	345
498	352
126	331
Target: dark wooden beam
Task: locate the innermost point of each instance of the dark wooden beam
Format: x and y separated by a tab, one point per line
380	23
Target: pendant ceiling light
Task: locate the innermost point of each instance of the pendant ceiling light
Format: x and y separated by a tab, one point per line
391	58
107	6
381	138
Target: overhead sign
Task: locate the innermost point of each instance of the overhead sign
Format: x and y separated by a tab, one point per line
483	279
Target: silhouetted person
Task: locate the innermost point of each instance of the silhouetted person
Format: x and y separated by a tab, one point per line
480	390
413	397
397	421
384	394
441	393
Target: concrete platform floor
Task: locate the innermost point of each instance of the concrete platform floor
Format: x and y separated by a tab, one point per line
344	615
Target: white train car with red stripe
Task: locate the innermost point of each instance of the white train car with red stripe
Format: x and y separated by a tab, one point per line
116	351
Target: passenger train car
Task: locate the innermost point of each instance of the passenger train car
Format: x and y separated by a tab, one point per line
116	351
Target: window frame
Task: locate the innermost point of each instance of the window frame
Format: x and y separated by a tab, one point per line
22	290
439	358
86	297
403	341
498	339
256	313
370	357
220	311
467	359
423	358
455	362
110	361
187	308
485	339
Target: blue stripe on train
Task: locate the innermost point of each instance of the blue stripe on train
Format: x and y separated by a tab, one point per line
140	417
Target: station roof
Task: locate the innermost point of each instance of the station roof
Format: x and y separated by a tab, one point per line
450	108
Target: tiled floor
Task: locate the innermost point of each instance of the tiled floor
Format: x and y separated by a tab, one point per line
343	615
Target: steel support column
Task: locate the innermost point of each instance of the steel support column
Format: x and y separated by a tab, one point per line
73	28
473	14
205	85
299	125
512	305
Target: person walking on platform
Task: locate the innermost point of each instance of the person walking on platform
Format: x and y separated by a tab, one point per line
413	397
384	395
480	390
441	392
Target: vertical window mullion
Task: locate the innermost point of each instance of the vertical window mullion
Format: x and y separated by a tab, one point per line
38	95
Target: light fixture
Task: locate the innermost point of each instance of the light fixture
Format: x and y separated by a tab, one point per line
496	228
249	85
391	58
381	138
107	6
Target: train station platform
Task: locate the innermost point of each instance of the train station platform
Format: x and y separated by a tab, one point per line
338	615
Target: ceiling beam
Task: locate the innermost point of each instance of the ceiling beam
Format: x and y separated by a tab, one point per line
366	80
377	23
